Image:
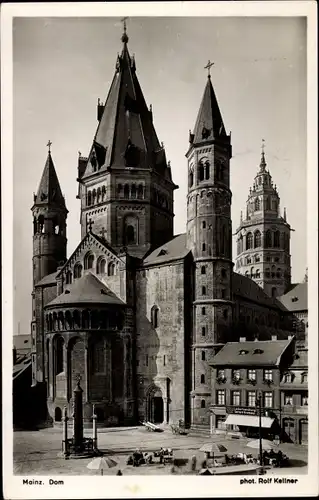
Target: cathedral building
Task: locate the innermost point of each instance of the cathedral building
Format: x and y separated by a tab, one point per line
136	312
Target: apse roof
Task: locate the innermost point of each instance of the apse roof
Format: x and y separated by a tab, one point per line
86	290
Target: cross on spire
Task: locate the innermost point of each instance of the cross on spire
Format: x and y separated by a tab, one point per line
49	144
208	66
91	222
124	36
262	146
263	161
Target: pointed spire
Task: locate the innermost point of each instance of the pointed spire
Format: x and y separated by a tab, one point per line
262	160
209	124
285	214
49	190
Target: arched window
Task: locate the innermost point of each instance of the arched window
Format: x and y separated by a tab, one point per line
41	224
247	274
154	316
277	239
274	204
131	230
98	195
140	191
68	320
111	269
207	170
268	242
202	379
257	273
103	192
203	270
201	173
203	403
133	191
58	414
267	272
273	271
203	290
204	224
126	191
257	239
203	247
68	278
89	198
77	272
100	266
88	261
59	358
273	291
224	273
191	178
266	203
76	319
252	272
94	196
249	241
257	204
278	274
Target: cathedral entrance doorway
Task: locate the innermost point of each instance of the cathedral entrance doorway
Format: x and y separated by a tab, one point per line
155	406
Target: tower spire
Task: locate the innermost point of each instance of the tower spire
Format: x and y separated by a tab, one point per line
262	160
124	36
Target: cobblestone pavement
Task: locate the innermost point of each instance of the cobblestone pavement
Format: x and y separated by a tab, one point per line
36	452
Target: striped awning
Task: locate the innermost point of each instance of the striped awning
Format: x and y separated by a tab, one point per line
249	420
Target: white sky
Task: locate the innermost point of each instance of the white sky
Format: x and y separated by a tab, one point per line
62	65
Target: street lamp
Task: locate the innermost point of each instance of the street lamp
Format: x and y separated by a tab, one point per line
259	399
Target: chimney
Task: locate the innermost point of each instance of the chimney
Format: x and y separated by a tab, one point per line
289	337
242	339
274	337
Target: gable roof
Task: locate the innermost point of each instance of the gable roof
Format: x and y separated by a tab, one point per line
270	355
86	290
247	289
89	235
296	298
172	250
300	359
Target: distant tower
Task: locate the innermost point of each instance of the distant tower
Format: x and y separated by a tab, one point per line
209	237
125	184
263	237
49	249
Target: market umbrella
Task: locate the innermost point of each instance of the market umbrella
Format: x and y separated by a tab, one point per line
265	443
101	463
213	448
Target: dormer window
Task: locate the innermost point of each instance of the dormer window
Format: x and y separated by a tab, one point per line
242	352
294	299
162	252
258	351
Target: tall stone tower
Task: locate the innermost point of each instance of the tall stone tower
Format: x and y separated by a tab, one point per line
49	251
209	237
125	184
49	224
263	236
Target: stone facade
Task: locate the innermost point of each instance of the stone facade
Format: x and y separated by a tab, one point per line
137	313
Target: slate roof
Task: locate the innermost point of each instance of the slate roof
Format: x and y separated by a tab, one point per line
300	359
248	289
21	366
270	355
209	118
50	279
86	290
49	191
296	299
172	250
125	134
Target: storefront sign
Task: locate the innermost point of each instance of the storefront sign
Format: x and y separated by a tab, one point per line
244	410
